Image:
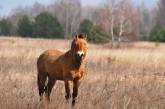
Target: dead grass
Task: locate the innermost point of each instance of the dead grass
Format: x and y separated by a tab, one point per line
126	78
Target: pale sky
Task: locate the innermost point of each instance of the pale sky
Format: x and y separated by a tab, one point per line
6	6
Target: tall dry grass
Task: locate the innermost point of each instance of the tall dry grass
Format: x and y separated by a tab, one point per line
132	77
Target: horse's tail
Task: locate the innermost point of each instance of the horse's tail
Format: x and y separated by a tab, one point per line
41	77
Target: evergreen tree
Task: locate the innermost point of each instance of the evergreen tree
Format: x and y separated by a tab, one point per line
5	27
47	25
86	26
25	27
95	34
158	31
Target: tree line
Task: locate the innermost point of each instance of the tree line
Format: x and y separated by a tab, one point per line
46	25
112	21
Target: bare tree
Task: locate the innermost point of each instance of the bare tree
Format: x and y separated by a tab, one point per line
146	20
69	14
110	8
16	14
117	18
160	13
36	9
124	12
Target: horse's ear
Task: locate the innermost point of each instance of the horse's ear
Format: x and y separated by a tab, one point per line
75	36
82	36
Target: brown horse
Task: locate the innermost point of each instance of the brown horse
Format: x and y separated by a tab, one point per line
68	67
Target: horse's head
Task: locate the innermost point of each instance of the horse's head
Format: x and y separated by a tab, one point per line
78	47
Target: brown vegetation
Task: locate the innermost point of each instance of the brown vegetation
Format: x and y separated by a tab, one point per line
128	78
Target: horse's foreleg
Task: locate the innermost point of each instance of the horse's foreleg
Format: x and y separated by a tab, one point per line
49	87
76	84
67	89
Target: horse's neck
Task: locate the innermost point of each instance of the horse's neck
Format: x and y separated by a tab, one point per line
71	58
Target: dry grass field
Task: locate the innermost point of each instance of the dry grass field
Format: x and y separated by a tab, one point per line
132	77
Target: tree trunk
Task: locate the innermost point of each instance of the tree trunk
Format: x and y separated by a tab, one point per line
112	32
66	25
121	30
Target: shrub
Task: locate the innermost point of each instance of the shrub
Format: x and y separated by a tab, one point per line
158	35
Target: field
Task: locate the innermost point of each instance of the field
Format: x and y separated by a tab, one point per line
132	77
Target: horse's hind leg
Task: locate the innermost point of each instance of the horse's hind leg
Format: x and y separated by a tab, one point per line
49	87
41	84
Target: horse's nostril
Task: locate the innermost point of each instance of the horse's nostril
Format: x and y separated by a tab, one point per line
81	55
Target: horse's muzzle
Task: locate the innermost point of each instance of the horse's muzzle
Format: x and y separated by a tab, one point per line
79	57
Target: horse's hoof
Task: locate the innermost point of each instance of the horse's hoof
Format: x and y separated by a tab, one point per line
73	103
67	97
47	102
41	98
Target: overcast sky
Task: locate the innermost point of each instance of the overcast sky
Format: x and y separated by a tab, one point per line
6	6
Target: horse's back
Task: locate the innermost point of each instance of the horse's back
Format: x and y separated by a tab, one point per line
52	54
47	58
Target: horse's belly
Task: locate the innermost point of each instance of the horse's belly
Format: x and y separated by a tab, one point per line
57	76
55	71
